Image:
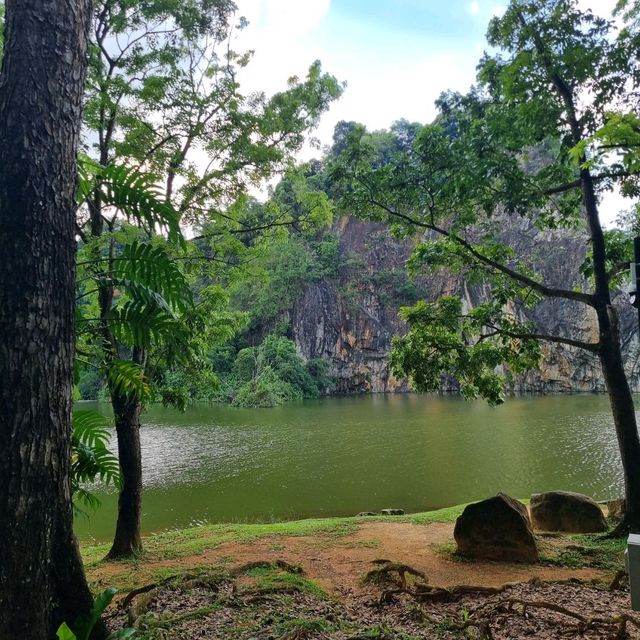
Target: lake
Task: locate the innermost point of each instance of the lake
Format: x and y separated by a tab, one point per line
339	456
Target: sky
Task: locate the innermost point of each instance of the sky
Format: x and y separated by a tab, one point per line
396	56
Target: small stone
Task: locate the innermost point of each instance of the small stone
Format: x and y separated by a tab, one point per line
496	529
566	511
392	512
362	514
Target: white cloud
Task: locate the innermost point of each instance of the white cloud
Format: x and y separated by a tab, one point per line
295	16
602	8
474	8
282	34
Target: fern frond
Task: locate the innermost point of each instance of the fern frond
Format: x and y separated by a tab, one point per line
90	457
134	193
127	378
152	267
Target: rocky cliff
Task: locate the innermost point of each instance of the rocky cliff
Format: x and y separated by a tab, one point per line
351	320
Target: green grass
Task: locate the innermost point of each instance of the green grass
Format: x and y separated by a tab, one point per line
281	581
273	578
586	550
295	627
178	543
383	632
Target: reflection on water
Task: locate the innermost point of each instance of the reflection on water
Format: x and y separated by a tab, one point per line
339	456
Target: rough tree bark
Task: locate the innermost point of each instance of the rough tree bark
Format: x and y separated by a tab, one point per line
620	397
126	411
127	540
624	419
42	581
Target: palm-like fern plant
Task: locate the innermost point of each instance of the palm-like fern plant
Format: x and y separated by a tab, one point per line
134	301
91	459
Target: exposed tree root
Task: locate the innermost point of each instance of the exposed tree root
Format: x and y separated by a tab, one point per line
136	607
481	618
618	580
623	528
392	572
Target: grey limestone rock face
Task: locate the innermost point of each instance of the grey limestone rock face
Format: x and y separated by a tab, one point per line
566	511
497	528
351	319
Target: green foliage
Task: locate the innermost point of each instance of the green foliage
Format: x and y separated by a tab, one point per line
437	344
282	269
619	243
90	383
174	140
127	378
273	373
159	329
91	460
84	626
163	95
133	193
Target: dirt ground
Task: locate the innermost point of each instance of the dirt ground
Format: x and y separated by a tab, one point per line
338	563
299	587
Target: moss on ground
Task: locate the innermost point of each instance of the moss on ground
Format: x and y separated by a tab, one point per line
584	550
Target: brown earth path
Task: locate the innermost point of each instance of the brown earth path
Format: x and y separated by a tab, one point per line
338	563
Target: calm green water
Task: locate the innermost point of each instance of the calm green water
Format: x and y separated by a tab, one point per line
339	456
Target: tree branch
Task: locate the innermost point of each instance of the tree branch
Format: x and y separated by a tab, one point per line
576	184
593	347
550	292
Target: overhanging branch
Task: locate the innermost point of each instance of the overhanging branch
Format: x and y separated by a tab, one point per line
550	292
592	347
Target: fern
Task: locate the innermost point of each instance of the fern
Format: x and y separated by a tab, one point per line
150	266
90	457
127	378
134	193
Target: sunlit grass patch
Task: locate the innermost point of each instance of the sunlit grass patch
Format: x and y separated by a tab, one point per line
583	550
281	578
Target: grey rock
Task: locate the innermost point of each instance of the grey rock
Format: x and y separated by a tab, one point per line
392	512
497	528
566	511
350	319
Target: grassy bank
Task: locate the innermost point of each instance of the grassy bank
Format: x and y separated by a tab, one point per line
178	543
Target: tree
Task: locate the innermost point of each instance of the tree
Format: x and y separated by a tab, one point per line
522	144
163	101
42	581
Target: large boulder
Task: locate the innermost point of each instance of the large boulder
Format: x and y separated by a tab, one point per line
566	511
496	529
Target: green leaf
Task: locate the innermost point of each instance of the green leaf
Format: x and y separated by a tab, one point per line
90	457
127	377
64	633
135	194
85	624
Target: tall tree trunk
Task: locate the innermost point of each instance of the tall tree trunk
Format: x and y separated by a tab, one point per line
127	540
42	581
126	411
624	418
